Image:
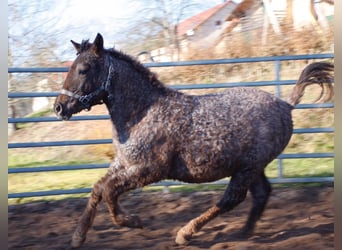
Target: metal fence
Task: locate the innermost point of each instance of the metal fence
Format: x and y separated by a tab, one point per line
277	82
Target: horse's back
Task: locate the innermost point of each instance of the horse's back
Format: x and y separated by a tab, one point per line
241	113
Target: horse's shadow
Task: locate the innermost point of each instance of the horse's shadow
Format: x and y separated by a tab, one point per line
271	237
322	229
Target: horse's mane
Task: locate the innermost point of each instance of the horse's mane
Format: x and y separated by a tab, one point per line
85	45
138	66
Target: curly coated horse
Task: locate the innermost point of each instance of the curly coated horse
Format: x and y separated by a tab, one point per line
160	133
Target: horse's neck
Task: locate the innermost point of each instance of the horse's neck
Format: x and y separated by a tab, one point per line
129	101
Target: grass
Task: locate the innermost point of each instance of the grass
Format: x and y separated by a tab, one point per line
42	113
58	180
296	168
29	182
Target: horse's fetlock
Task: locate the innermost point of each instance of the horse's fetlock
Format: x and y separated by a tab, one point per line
185	233
183	238
77	240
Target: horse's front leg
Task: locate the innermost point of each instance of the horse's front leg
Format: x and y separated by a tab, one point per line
117	180
121	180
88	215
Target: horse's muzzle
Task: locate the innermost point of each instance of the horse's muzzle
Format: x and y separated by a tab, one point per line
58	109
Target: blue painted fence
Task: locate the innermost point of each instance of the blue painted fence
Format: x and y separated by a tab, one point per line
276	82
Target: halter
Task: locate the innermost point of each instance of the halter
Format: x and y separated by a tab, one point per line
85	100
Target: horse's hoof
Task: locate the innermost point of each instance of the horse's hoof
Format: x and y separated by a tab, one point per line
76	241
246	232
182	239
132	221
242	234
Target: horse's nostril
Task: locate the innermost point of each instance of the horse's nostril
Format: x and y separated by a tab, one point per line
58	108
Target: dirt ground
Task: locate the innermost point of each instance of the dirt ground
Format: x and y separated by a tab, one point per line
295	218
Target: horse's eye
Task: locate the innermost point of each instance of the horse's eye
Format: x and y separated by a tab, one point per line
83	71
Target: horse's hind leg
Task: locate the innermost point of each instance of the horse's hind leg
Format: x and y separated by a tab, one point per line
260	190
234	195
88	215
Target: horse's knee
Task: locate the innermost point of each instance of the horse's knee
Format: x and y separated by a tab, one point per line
108	189
96	194
108	195
97	191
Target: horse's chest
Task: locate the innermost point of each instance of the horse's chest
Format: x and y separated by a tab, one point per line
147	150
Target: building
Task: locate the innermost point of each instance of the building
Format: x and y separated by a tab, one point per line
208	29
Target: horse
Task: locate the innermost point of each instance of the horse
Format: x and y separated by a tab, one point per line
161	133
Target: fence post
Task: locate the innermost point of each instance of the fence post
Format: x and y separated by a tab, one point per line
278	94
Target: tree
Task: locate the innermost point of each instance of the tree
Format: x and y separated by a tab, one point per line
31	42
158	25
32	31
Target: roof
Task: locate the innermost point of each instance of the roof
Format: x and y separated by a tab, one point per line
241	9
193	22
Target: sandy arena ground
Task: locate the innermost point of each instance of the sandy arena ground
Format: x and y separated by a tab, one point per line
295	218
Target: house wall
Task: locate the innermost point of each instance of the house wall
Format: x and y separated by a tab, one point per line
302	16
205	34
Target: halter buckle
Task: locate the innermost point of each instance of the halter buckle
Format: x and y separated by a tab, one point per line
85	101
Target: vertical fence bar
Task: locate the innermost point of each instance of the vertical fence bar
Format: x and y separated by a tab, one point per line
277	78
278	94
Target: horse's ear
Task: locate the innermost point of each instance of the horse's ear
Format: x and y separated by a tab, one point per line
98	44
76	45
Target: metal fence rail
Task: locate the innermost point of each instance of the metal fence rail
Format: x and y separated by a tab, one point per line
277	83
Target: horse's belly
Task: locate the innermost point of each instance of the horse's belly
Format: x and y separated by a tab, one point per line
199	173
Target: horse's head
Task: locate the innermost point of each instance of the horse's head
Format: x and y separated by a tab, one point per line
85	83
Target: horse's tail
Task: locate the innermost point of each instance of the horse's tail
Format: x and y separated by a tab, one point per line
321	73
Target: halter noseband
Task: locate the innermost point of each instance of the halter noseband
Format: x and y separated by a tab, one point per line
85	100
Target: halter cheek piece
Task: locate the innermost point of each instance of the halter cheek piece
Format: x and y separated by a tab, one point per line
86	100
